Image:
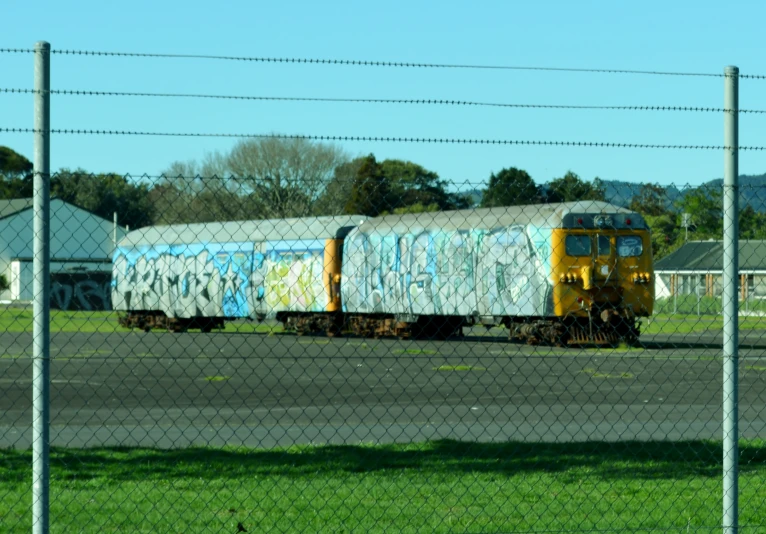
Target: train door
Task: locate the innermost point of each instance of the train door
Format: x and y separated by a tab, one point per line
422	269
605	259
354	274
402	304
257	290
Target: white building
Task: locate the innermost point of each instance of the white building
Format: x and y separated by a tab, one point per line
696	268
81	249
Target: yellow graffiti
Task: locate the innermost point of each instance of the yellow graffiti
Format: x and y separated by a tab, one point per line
294	280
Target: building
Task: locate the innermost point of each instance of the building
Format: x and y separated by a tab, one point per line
697	268
81	248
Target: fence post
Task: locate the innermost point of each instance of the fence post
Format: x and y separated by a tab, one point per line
41	287
730	301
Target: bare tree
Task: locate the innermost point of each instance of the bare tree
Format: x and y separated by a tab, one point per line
257	179
284	177
194	176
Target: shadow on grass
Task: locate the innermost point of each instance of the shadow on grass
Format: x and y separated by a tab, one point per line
643	460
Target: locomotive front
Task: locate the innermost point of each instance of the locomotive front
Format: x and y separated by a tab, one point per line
603	278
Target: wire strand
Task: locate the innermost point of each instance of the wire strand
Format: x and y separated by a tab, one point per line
407	101
393	139
379	63
376	63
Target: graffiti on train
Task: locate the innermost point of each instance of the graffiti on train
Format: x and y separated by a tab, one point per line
81	291
480	272
218	280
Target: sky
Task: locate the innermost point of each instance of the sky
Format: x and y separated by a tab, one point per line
681	36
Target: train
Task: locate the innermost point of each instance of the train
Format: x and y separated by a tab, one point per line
560	273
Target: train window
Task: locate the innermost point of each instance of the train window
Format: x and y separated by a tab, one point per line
630	245
578	245
604	246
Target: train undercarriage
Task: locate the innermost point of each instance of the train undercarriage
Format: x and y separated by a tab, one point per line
608	328
149	320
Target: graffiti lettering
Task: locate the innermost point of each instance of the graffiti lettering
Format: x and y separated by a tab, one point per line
81	291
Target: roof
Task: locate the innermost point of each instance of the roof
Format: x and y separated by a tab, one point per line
243	231
9	208
13	206
707	256
542	214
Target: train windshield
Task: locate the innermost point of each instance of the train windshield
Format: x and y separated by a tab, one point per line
604	246
578	245
630	246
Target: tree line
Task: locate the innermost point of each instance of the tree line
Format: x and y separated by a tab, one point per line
283	178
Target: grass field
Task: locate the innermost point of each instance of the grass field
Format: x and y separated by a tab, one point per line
16	320
442	486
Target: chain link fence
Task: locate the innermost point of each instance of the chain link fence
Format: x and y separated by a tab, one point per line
354	345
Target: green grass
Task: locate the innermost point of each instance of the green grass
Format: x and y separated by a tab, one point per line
687	324
217	378
688	305
459	368
20	320
17	320
594	373
441	486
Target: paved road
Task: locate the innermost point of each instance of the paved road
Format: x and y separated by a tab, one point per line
173	390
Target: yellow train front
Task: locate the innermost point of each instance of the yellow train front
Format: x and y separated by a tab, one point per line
602	267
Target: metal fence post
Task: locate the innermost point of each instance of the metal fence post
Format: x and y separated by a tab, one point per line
41	287
730	301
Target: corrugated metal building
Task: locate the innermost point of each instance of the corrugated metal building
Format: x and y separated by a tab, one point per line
697	267
81	248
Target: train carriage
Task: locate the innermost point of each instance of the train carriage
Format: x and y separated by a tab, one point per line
199	275
568	272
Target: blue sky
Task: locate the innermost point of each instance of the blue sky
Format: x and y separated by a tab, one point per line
688	36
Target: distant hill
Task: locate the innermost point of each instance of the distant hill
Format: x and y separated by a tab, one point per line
621	193
752	191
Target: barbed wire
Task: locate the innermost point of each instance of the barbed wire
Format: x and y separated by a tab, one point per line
391	139
378	63
411	101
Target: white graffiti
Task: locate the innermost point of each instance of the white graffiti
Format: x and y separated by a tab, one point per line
183	285
480	272
90	294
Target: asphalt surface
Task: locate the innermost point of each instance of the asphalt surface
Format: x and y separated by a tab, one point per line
175	390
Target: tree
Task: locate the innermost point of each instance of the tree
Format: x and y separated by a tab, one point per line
510	187
104	194
752	224
652	199
369	189
706	209
397	186
257	179
410	185
284	177
336	196
571	188
4	285
652	203
15	175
